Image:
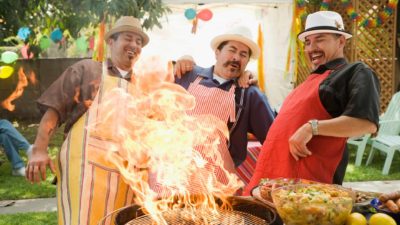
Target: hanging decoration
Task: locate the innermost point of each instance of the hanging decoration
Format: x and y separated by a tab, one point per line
24	52
24	33
56	35
9	57
81	44
363	22
99	51
205	15
6	71
260	62
191	14
44	43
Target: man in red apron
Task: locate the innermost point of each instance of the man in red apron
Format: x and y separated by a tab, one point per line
338	100
89	186
217	93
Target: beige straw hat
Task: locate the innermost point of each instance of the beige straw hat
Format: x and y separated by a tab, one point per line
128	24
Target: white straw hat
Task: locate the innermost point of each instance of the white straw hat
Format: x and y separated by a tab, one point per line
240	34
324	22
128	24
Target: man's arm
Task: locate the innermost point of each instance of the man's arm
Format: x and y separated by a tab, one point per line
342	126
40	159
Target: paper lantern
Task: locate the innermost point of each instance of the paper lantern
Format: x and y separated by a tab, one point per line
23	33
190	13
44	43
9	57
6	71
56	35
205	14
24	52
81	44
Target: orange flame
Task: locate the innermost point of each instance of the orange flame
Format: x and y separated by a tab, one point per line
161	151
19	90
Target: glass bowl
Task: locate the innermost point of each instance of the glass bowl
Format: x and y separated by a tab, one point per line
305	204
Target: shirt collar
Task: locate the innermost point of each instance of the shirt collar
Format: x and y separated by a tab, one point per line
115	72
208	73
331	65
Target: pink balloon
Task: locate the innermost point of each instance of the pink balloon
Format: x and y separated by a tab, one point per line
24	52
205	15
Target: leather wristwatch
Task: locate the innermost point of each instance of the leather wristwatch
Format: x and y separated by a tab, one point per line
314	127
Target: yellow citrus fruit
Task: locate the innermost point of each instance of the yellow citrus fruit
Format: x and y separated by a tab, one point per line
381	219
356	219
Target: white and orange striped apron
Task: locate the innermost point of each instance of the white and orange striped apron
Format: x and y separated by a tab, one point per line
89	186
221	104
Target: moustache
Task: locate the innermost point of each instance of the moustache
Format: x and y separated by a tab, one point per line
234	63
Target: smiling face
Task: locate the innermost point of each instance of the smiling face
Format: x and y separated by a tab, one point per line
324	47
125	48
232	58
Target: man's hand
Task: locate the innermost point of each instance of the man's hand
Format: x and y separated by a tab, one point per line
40	159
247	79
183	65
38	162
299	140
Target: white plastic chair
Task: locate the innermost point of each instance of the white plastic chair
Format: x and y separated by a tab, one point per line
361	143
388	137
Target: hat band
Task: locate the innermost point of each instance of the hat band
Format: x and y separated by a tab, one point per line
323	28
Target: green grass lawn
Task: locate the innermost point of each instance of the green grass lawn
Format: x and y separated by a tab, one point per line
42	218
12	187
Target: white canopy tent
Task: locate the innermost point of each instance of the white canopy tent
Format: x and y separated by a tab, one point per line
175	38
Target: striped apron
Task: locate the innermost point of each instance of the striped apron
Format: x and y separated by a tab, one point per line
221	104
89	187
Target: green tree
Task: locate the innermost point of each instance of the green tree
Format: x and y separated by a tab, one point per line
42	16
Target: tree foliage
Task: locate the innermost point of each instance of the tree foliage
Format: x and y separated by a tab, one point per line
42	16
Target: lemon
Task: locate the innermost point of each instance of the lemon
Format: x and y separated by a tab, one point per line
356	219
381	219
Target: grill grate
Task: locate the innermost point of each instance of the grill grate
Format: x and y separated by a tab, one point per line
183	217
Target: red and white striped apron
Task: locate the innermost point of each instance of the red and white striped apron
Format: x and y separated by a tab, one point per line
221	104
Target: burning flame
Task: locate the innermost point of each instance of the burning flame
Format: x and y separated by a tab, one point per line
170	159
19	90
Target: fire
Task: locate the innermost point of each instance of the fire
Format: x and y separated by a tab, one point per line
19	90
170	159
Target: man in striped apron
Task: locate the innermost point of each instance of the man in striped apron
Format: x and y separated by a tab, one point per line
217	92
89	187
336	101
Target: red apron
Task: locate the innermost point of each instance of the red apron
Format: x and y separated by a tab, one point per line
275	160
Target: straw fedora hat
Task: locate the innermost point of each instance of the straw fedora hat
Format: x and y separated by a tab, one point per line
324	22
128	24
240	34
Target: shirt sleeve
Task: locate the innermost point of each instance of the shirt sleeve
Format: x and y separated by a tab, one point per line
261	114
363	95
61	95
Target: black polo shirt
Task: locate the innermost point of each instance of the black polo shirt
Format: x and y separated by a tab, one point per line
350	90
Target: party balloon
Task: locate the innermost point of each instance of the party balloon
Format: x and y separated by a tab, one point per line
56	35
44	43
24	52
190	13
205	14
81	44
6	71
24	33
9	57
